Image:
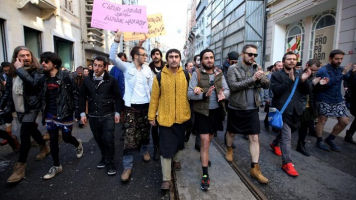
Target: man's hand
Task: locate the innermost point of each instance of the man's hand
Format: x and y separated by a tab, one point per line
152	122
316	80
210	91
347	68
197	90
306	74
221	95
18	63
117	119
324	81
83	119
118	36
258	75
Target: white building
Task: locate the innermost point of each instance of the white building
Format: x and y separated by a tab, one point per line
311	28
42	25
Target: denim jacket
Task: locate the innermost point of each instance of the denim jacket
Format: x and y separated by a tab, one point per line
130	71
331	92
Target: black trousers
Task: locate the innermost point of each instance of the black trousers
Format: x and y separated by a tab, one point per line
27	130
155	136
4	135
67	138
103	129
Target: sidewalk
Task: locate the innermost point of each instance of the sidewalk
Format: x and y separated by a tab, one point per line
224	182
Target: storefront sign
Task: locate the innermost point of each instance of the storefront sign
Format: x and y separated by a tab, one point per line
323	43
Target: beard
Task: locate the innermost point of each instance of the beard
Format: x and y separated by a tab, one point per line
207	66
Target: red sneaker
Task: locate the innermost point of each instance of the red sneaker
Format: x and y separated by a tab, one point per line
289	169
276	149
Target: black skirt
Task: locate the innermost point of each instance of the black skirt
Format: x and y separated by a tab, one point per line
207	124
171	139
245	122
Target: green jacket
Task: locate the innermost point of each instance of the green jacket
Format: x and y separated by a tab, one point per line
239	80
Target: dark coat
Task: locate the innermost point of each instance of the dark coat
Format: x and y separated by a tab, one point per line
281	87
32	88
350	81
67	99
103	98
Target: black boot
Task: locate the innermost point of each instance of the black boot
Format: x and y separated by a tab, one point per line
348	138
155	153
301	148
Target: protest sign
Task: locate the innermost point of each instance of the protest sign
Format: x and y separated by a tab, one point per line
111	16
155	28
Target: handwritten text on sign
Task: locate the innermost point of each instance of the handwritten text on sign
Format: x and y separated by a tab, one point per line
110	16
155	28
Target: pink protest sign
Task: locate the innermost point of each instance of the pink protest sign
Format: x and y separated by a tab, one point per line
111	16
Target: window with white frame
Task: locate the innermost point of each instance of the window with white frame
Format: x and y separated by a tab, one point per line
322	36
294	40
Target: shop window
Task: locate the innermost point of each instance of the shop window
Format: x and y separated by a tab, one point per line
64	49
322	37
294	40
3	53
33	41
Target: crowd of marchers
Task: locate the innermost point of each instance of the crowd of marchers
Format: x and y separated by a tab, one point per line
170	102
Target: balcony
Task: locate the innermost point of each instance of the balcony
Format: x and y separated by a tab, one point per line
47	7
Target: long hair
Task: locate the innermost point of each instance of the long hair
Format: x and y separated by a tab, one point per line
34	64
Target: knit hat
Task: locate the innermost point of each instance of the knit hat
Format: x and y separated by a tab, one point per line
233	55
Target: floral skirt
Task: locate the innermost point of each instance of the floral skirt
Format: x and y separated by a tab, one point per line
333	109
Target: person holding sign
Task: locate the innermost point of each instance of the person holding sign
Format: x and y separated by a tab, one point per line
138	84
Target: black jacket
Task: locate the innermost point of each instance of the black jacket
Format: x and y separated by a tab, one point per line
281	87
350	82
67	100
103	98
6	103
32	88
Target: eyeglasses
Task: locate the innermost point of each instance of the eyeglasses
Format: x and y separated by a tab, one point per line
145	55
252	54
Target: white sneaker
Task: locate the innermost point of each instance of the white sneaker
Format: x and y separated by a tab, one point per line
80	149
52	172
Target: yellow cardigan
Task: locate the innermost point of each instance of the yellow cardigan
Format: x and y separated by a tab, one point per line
171	100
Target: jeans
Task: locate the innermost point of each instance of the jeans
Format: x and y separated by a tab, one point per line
286	145
103	129
128	157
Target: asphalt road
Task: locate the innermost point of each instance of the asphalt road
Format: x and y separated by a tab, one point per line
80	180
323	175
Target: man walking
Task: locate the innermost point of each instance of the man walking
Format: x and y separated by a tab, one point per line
27	90
104	105
169	93
208	89
330	100
156	66
138	83
281	85
60	102
246	79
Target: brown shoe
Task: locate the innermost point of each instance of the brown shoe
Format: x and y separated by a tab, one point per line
125	176
177	166
44	151
146	157
256	173
18	174
166	185
229	154
46	136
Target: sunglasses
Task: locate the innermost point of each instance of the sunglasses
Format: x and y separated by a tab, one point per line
252	54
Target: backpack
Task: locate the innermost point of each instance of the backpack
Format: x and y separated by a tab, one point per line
186	73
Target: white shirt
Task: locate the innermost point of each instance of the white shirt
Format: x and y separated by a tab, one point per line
17	94
139	95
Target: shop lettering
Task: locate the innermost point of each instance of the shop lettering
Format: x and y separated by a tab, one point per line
320	40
